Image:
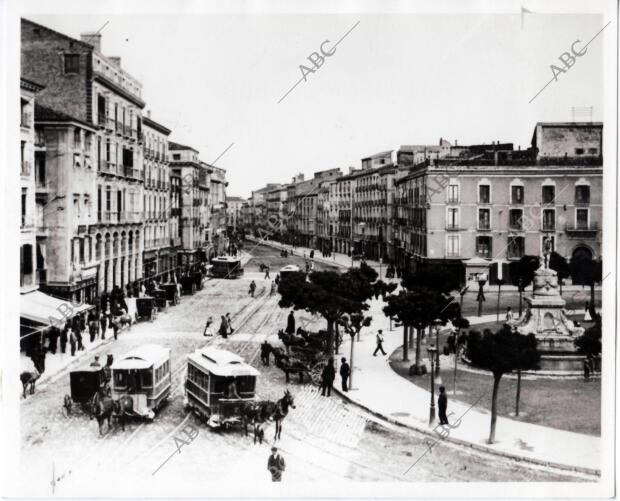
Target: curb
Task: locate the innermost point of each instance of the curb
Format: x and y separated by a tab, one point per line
471	445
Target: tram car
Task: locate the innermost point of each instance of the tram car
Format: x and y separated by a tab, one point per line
84	384
218	385
226	267
143	375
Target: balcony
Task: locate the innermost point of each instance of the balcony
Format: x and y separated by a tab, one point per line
110	124
108	167
548	226
109	217
582	230
452	227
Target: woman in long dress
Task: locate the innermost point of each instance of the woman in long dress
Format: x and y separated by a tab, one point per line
586	316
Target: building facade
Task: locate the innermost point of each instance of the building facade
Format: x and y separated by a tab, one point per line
31	269
159	257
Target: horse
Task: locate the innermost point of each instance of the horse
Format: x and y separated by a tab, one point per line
287	364
102	409
122	408
29	378
281	412
257	413
290	339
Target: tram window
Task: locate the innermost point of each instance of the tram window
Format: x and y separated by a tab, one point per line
120	381
147	379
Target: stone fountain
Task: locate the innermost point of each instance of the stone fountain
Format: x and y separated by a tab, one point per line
546	318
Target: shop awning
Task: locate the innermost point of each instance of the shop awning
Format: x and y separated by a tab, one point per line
43	309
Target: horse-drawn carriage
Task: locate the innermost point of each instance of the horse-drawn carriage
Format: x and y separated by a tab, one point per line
218	386
172	293
85	384
143	379
146	308
304	355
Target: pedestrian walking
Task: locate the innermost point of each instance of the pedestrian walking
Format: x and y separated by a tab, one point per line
312	254
53	336
587	317
442	405
266	272
208	332
379	344
509	315
229	324
64	337
345	372
103	320
277	279
252	288
115	327
72	342
265	350
223	330
290	323
272	289
327	378
77	333
93	325
95	363
276	465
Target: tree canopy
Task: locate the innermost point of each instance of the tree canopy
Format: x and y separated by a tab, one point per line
589	343
527	266
433	277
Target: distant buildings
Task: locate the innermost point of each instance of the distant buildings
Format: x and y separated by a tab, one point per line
476	208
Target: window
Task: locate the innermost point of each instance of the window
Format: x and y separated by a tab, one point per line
517	194
99	202
484	219
108	199
453	219
176	156
516	247
515	219
452	246
81	244
24	202
77	138
72	63
147	379
548	219
581	217
578	151
453	193
484	246
582	194
548	194
484	194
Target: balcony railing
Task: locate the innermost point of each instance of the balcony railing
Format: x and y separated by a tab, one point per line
548	226
452	227
581	228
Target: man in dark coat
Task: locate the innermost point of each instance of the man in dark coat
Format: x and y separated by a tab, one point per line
327	378
64	338
345	372
290	323
252	288
104	324
276	465
442	405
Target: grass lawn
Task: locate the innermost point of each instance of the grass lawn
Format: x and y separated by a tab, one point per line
566	404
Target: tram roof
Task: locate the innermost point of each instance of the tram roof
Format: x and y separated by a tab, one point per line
225	259
143	357
221	362
290	267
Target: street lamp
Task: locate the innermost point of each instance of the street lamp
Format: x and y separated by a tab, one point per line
520	285
431	356
482	279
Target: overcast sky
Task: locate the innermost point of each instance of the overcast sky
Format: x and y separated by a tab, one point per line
395	79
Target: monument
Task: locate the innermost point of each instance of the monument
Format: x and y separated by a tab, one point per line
545	317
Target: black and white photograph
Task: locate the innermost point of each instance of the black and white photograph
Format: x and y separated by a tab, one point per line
309	249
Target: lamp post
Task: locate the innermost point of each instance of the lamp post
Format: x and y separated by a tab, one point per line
437	323
482	279
520	284
431	353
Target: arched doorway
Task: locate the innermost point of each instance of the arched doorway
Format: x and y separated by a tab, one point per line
582	252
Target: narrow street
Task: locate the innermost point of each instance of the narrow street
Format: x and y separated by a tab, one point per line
322	439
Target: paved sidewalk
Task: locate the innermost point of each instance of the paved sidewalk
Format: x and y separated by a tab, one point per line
380	390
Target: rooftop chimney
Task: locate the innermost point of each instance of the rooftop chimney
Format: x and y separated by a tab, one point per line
92	38
115	60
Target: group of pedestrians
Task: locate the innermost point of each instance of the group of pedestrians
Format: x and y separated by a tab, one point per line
329	375
224	330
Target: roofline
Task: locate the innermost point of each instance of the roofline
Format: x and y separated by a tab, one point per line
149	122
31	85
74	40
119	90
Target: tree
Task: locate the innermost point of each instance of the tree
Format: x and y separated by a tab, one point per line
417	308
558	263
527	266
353	324
587	271
501	353
431	276
329	294
459	340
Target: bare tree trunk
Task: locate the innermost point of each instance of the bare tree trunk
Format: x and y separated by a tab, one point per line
418	349
592	298
496	380
405	344
330	338
410	329
518	392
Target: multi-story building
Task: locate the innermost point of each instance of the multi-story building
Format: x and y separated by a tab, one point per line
342	202
94	90
66	184
159	259
186	167
276	211
484	207
324	225
218	209
233	213
174	223
259	209
29	274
